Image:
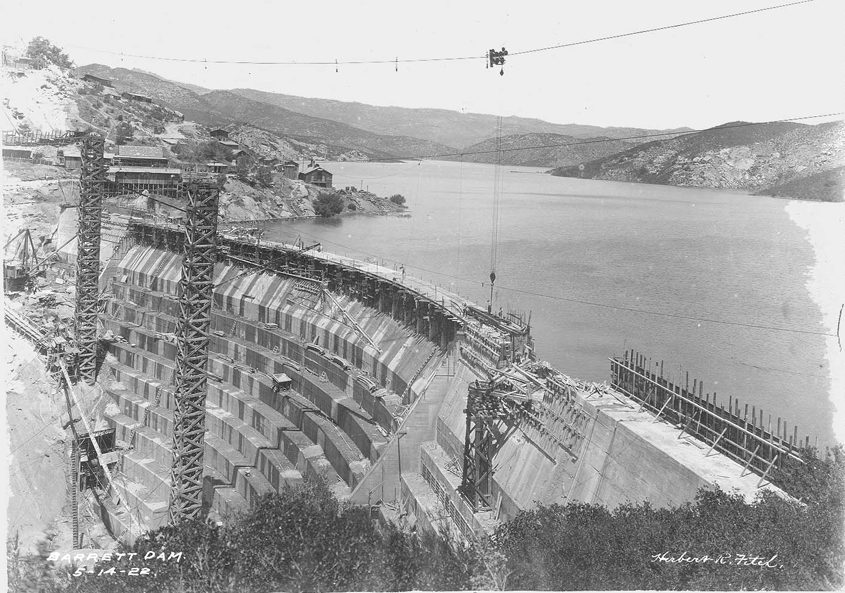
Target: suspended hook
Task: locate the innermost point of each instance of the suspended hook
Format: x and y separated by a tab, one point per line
335	65
397	63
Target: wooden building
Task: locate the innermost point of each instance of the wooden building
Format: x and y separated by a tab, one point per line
140	156
219	134
243	159
290	169
69	157
316	175
17	153
12	59
217	167
136	97
144	176
97	80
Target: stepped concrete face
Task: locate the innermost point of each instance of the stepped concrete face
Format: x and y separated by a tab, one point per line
379	374
345	398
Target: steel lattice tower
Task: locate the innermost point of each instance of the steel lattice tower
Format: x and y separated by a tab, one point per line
88	255
490	420
192	334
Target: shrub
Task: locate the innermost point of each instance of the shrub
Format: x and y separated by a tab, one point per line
328	204
352	207
123	133
203	152
398	199
585	546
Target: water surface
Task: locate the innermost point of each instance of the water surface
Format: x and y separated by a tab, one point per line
586	257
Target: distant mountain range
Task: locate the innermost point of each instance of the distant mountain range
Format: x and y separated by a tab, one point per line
378	132
785	159
224	108
452	128
780	158
537	150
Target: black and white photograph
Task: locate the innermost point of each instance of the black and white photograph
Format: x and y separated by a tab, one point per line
441	296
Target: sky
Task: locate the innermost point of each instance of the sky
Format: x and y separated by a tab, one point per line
772	65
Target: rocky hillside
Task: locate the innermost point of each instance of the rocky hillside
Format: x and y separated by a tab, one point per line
224	108
442	126
827	186
373	132
286	198
544	150
778	157
51	99
282	121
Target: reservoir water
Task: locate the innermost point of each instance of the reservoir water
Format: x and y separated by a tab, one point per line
710	282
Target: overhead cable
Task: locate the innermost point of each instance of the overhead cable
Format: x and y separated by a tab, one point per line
395	61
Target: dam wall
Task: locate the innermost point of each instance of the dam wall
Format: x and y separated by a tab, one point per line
320	366
617	453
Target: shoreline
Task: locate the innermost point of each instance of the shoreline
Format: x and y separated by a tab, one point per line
823	222
295	218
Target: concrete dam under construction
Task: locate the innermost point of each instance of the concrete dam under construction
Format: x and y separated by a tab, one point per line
432	410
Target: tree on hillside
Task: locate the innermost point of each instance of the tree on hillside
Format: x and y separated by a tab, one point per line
398	199
123	133
44	53
328	204
202	152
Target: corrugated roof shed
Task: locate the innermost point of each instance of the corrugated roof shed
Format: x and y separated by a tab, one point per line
152	170
153	152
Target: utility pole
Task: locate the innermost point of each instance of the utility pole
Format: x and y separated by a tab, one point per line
192	335
88	255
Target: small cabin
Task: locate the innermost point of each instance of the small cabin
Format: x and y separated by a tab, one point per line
219	134
17	153
243	159
229	144
140	156
136	97
217	167
97	80
290	169
70	158
316	175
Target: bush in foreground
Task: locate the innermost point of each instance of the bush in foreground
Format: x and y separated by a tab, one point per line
582	546
299	540
302	539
